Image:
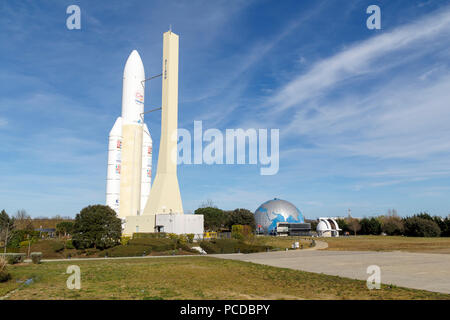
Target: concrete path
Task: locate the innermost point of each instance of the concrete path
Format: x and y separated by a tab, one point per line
413	270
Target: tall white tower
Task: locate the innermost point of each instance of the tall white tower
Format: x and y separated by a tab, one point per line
165	193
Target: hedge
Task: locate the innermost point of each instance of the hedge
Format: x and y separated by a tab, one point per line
146	235
154	244
231	246
126	251
13	258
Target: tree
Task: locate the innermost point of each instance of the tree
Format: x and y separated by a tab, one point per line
313	223
353	225
97	227
6	228
424	215
64	228
441	224
343	225
420	227
241	217
214	218
208	204
22	221
370	226
446	230
392	224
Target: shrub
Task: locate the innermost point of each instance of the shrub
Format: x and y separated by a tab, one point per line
13	258
182	239
126	251
4	274
24	244
154	244
69	244
57	246
124	240
420	227
231	246
91	251
248	248
190	237
209	247
173	236
146	235
36	257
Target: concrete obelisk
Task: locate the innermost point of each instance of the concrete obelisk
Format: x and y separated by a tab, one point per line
165	195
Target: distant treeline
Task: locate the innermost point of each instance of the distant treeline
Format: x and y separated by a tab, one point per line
418	225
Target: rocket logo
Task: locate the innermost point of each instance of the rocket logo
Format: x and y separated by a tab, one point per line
118	168
119	144
149	173
139	98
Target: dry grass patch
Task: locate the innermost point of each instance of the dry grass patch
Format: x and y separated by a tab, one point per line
389	243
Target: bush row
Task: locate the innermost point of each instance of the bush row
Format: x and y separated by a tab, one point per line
231	246
419	225
13	258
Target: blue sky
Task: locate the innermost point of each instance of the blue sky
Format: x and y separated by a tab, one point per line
363	114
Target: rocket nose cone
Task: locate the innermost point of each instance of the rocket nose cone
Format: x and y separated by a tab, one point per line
134	64
134	55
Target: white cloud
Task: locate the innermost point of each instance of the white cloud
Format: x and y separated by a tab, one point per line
358	59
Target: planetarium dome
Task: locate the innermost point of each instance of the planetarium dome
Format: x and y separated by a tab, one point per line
273	211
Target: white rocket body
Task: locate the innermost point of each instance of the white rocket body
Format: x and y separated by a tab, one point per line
127	188
114	165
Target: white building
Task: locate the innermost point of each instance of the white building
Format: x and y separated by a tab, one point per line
328	227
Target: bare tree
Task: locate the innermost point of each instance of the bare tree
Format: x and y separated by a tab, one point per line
22	221
6	228
354	225
208	204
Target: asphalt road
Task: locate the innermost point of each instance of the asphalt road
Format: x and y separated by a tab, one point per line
413	270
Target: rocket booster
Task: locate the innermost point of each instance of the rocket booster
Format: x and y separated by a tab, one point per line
130	146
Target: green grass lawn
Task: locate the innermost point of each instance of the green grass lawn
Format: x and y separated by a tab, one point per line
191	278
389	243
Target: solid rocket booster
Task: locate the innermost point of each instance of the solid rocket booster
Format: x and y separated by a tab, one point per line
165	193
114	165
130	146
146	175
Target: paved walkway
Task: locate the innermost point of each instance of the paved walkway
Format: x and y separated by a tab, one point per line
413	270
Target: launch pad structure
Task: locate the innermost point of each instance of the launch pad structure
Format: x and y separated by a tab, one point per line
145	208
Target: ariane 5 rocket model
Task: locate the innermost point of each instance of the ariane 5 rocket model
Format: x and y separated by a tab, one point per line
130	147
